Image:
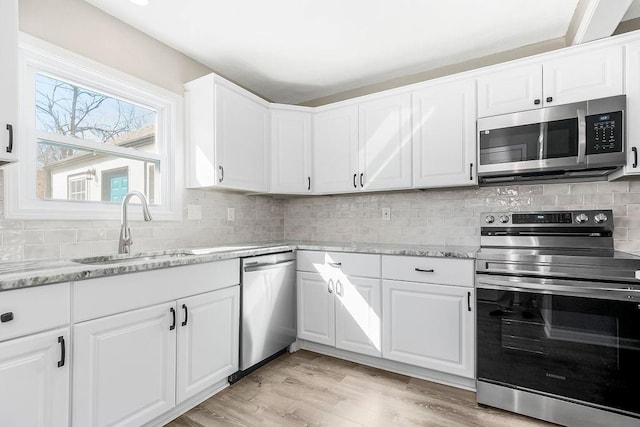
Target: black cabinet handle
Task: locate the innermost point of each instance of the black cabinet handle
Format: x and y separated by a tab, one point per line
469	300
10	147
6	317
335	264
221	173
354	180
63	351
186	315
470	171
308	183
173	324
635	157
549	98
536	101
361	180
422	270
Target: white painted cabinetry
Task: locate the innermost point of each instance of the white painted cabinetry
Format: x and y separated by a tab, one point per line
34	378
228	136
632	85
291	150
365	146
34	364
444	145
574	76
208	334
426	323
124	367
8	79
336	308
138	357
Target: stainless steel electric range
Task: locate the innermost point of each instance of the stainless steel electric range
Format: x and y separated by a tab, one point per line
558	318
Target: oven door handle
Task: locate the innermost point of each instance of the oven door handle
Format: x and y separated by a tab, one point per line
622	294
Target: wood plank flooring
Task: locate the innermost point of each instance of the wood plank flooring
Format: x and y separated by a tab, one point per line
309	389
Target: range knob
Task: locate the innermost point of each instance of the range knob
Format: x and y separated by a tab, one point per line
503	219
489	219
600	218
582	218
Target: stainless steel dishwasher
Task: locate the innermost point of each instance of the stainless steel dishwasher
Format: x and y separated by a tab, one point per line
268	309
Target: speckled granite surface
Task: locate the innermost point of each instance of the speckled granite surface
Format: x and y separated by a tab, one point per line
14	275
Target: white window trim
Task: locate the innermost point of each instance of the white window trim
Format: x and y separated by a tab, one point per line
36	55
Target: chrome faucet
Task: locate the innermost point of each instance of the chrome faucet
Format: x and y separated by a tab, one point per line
124	246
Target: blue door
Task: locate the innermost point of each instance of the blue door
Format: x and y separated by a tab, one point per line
118	187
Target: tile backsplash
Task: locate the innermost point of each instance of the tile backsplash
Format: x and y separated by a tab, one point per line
432	217
452	216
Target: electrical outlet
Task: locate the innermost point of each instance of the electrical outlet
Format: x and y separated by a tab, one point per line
194	212
231	214
386	214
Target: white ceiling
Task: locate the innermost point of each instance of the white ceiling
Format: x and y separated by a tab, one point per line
292	51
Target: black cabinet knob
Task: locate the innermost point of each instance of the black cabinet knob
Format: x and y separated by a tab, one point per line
6	317
536	101
549	98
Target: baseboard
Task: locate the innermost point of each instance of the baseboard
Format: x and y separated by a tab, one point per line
188	404
392	366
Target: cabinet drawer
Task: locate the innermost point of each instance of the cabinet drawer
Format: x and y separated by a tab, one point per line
446	271
363	265
34	310
116	294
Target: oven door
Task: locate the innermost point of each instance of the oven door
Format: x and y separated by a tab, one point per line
575	340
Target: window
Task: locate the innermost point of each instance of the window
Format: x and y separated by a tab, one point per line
91	134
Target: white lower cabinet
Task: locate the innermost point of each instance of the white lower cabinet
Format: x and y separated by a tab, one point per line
340	311
428	325
34	380
208	343
124	367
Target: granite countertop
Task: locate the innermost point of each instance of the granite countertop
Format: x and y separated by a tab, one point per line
22	274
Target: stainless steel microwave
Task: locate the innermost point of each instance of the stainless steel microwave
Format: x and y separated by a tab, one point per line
580	141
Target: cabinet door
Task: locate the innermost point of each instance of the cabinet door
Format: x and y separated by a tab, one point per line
35	382
208	334
385	143
510	90
290	152
316	309
444	146
8	77
633	108
241	141
124	368
335	150
429	326
583	76
358	315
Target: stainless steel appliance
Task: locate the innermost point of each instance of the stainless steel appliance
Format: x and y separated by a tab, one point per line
268	309
584	140
558	318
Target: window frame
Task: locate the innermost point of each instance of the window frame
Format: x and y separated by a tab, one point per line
39	57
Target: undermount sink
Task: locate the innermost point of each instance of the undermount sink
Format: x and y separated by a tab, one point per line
123	259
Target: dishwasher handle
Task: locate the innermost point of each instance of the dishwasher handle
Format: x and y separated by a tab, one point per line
268	266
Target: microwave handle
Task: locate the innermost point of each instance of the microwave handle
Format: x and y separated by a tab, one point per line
582	136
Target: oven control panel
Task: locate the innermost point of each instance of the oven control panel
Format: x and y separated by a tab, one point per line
549	219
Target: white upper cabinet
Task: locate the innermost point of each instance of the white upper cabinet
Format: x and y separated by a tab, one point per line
512	89
385	143
291	151
228	136
8	79
633	108
335	150
366	146
562	79
578	77
444	144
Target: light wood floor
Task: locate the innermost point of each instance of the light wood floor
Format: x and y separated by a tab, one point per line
309	389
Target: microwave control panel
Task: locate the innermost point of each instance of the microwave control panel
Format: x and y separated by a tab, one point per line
604	133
